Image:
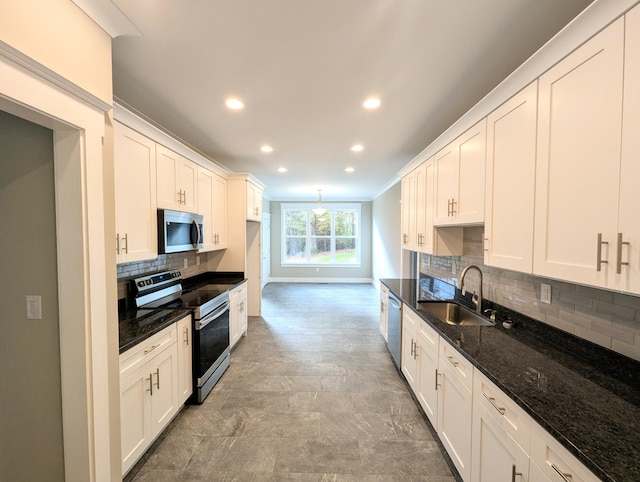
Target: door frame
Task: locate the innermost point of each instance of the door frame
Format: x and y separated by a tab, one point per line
87	286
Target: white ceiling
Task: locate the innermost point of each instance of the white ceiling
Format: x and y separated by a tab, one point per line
303	69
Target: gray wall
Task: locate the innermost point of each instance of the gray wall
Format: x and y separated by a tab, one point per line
386	231
312	273
31	445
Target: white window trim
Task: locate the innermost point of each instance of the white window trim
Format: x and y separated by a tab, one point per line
329	207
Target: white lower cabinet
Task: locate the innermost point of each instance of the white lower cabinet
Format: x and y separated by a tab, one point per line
501	435
427	390
238	317
149	398
409	359
455	407
554	461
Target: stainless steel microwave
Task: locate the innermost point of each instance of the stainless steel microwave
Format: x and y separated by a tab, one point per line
179	231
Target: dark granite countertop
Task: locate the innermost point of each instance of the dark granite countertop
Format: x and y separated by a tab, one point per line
136	325
584	395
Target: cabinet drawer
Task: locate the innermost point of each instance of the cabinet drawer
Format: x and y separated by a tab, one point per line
460	366
138	355
513	420
555	461
430	340
237	292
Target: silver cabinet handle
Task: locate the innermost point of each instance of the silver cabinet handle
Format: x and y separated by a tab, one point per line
126	243
567	477
599	260
514	473
449	210
404	238
153	347
186	336
158	378
150	389
452	361
180	196
453	206
493	403
117	243
619	263
412	348
486	244
437	384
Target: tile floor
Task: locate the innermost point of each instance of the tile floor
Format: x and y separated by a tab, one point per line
311	395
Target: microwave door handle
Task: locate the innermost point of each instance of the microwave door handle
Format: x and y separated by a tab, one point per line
194	226
209	318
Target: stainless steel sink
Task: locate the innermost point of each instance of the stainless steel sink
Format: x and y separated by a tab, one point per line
454	314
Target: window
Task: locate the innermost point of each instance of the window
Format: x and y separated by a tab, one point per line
332	238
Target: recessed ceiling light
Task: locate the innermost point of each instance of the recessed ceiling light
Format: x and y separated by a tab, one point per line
282	169
234	104
371	103
349	169
266	148
357	148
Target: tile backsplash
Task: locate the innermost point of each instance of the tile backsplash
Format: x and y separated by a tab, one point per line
162	263
603	317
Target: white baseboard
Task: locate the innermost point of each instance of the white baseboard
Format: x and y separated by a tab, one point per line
322	280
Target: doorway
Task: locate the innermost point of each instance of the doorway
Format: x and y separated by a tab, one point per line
30	377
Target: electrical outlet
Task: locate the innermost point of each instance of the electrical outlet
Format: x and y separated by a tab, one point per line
454	269
186	263
545	293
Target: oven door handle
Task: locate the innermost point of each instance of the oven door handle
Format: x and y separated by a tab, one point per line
216	314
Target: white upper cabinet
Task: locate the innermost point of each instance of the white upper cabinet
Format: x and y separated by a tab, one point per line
212	204
135	193
510	182
459	179
254	202
408	213
628	275
177	181
578	162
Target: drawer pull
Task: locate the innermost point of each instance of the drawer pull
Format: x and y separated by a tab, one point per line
567	477
150	389
453	361
158	378
153	347
492	401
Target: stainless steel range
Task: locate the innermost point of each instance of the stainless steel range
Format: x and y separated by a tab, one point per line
210	304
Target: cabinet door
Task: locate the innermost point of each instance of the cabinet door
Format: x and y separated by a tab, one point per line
578	161
188	185
135	426
629	209
409	341
445	184
219	211
427	393
495	455
185	373
163	370
254	202
408	220
169	194
205	207
468	205
420	175
135	193
454	417
510	182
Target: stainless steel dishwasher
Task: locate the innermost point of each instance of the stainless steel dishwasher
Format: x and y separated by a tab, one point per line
394	327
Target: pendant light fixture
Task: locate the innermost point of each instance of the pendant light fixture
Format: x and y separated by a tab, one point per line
319	211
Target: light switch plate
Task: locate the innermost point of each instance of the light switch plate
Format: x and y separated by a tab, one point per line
34	307
545	293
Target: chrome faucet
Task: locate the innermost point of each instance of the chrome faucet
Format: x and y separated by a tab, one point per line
477	299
